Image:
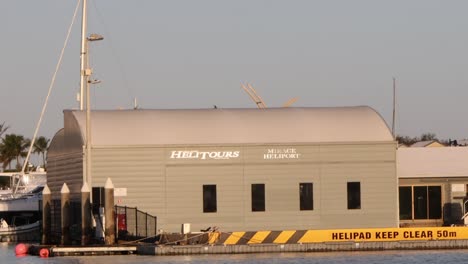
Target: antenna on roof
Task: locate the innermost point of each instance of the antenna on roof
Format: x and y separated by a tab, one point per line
135	104
248	88
290	102
394	106
253	94
78	99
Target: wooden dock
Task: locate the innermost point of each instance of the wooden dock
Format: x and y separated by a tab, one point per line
309	247
159	250
84	250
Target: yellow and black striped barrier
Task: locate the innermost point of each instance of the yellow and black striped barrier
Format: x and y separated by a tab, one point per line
258	237
339	235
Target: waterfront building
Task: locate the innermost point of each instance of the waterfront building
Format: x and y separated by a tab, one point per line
432	186
237	169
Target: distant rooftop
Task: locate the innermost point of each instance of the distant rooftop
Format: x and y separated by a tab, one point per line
427	143
432	162
462	142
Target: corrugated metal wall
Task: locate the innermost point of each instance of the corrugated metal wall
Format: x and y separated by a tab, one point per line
65	168
139	170
171	188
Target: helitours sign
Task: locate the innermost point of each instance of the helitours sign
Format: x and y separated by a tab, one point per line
203	155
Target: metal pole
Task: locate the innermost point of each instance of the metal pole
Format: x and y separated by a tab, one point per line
83	55
136	221
394	106
85	86
117	223
87	178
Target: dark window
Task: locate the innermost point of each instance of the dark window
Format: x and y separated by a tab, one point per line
354	195
405	202
424	202
435	202
209	199
420	202
258	197
98	198
306	196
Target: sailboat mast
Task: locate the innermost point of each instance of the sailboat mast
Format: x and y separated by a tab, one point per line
26	160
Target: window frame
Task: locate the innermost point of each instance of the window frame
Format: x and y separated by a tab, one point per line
306	196
257	195
210	199
433	202
354	195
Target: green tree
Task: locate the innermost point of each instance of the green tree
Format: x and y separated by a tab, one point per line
3	159
40	147
406	140
411	140
3	129
428	137
13	147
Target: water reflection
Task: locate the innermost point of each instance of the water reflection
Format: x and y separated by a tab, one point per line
7	255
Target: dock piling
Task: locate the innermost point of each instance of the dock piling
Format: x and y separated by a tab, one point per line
109	213
85	215
46	215
65	209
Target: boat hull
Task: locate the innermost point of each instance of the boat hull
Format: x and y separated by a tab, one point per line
24	233
26	203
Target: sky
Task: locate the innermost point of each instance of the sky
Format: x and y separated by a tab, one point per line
171	54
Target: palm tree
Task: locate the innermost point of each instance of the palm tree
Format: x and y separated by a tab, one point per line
3	129
6	155
40	147
3	159
13	147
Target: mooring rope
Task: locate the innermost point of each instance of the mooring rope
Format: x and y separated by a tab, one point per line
170	242
243	237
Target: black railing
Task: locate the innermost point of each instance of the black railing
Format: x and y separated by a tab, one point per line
133	224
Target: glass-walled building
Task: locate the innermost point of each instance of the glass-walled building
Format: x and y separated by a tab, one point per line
432	186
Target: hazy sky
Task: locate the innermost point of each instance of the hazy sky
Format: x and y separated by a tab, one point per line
195	54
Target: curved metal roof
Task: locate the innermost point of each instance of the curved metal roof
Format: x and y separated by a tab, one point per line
233	126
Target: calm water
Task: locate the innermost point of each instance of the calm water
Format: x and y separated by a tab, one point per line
7	256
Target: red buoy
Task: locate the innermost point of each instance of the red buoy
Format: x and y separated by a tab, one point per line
44	253
21	249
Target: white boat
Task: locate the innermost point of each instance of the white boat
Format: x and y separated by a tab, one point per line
20	205
16	185
23	232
